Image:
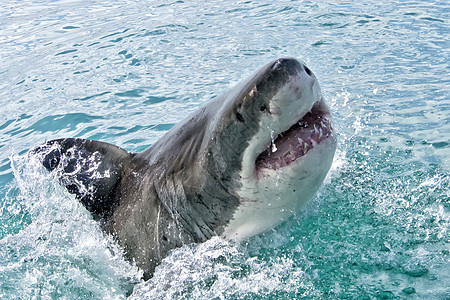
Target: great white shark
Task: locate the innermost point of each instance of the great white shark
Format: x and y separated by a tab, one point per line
236	167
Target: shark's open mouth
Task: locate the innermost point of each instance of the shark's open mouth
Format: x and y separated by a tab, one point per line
288	146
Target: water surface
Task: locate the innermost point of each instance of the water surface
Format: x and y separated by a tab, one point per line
125	72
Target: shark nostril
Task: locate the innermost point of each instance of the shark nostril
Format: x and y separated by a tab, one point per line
308	71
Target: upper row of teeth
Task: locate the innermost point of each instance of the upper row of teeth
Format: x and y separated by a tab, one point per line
304	144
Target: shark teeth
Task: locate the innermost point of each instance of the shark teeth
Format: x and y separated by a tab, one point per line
295	142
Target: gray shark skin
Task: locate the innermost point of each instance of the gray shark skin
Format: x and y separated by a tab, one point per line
238	166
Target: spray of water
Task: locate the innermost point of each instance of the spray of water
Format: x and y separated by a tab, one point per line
60	251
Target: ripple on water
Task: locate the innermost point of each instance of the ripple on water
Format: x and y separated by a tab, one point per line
126	71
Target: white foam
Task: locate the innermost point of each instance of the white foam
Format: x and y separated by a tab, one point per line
61	250
218	269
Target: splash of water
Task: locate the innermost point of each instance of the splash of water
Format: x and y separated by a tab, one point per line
61	251
219	269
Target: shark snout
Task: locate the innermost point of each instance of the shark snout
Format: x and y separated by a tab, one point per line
293	67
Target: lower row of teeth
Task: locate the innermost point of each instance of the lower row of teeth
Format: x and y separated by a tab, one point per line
315	137
303	146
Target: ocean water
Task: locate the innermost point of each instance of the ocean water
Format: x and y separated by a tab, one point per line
125	72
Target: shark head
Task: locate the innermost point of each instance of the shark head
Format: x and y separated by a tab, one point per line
279	127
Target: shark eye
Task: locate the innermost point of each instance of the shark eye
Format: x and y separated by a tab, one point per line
263	108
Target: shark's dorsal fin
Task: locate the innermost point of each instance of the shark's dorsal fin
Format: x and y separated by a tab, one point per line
90	169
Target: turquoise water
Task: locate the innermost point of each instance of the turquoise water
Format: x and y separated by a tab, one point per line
125	72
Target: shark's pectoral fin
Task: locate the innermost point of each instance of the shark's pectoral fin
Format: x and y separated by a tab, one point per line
90	169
